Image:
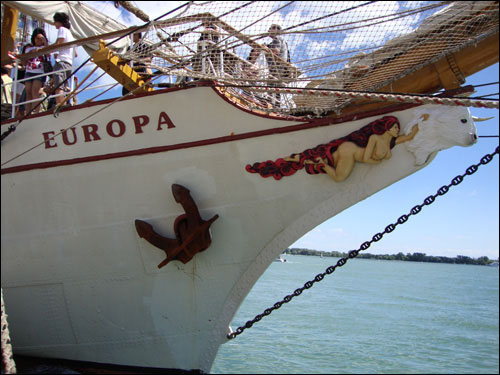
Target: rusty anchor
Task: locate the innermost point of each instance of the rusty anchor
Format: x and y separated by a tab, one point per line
192	233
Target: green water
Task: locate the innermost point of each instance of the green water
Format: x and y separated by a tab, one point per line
369	317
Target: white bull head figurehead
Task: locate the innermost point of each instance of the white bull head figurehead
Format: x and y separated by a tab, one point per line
439	128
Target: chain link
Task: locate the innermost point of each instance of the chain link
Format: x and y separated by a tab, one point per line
365	245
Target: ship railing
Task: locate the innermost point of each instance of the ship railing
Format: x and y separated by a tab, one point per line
218	61
212	58
15	87
70	84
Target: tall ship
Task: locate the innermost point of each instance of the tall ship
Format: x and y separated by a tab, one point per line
135	224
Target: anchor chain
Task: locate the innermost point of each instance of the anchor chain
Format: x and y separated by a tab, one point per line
365	245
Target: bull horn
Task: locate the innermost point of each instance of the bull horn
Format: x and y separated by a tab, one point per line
425	116
479	119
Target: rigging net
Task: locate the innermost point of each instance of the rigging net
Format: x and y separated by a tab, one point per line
353	46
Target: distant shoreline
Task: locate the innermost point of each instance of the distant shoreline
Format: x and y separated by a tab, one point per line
409	257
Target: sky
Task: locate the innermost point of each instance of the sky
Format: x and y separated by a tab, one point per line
462	222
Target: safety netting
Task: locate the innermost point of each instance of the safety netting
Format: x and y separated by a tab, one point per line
252	48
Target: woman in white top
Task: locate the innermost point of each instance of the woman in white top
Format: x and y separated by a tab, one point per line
34	67
64	58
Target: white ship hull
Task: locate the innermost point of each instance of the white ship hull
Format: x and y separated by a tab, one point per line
79	283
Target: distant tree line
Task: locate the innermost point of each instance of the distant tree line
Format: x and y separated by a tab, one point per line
415	257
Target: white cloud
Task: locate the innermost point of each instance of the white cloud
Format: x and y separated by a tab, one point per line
472	193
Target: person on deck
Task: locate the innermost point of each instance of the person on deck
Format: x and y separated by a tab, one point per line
143	52
34	67
208	51
278	48
63	58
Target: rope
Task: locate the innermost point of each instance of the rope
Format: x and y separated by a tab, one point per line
328	29
328	16
487	84
419	99
132	9
485	96
73	93
235	44
8	364
102	93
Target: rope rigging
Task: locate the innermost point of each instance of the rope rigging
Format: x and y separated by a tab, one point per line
361	48
365	245
303	55
324	80
13	127
396	97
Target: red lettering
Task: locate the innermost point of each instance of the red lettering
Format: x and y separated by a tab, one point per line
109	128
139	122
164	119
47	136
115	128
90	131
65	137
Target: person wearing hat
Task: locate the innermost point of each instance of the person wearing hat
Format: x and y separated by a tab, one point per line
278	48
210	33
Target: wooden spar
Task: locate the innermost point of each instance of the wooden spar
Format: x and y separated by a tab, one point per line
74	43
434	77
9	25
121	72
